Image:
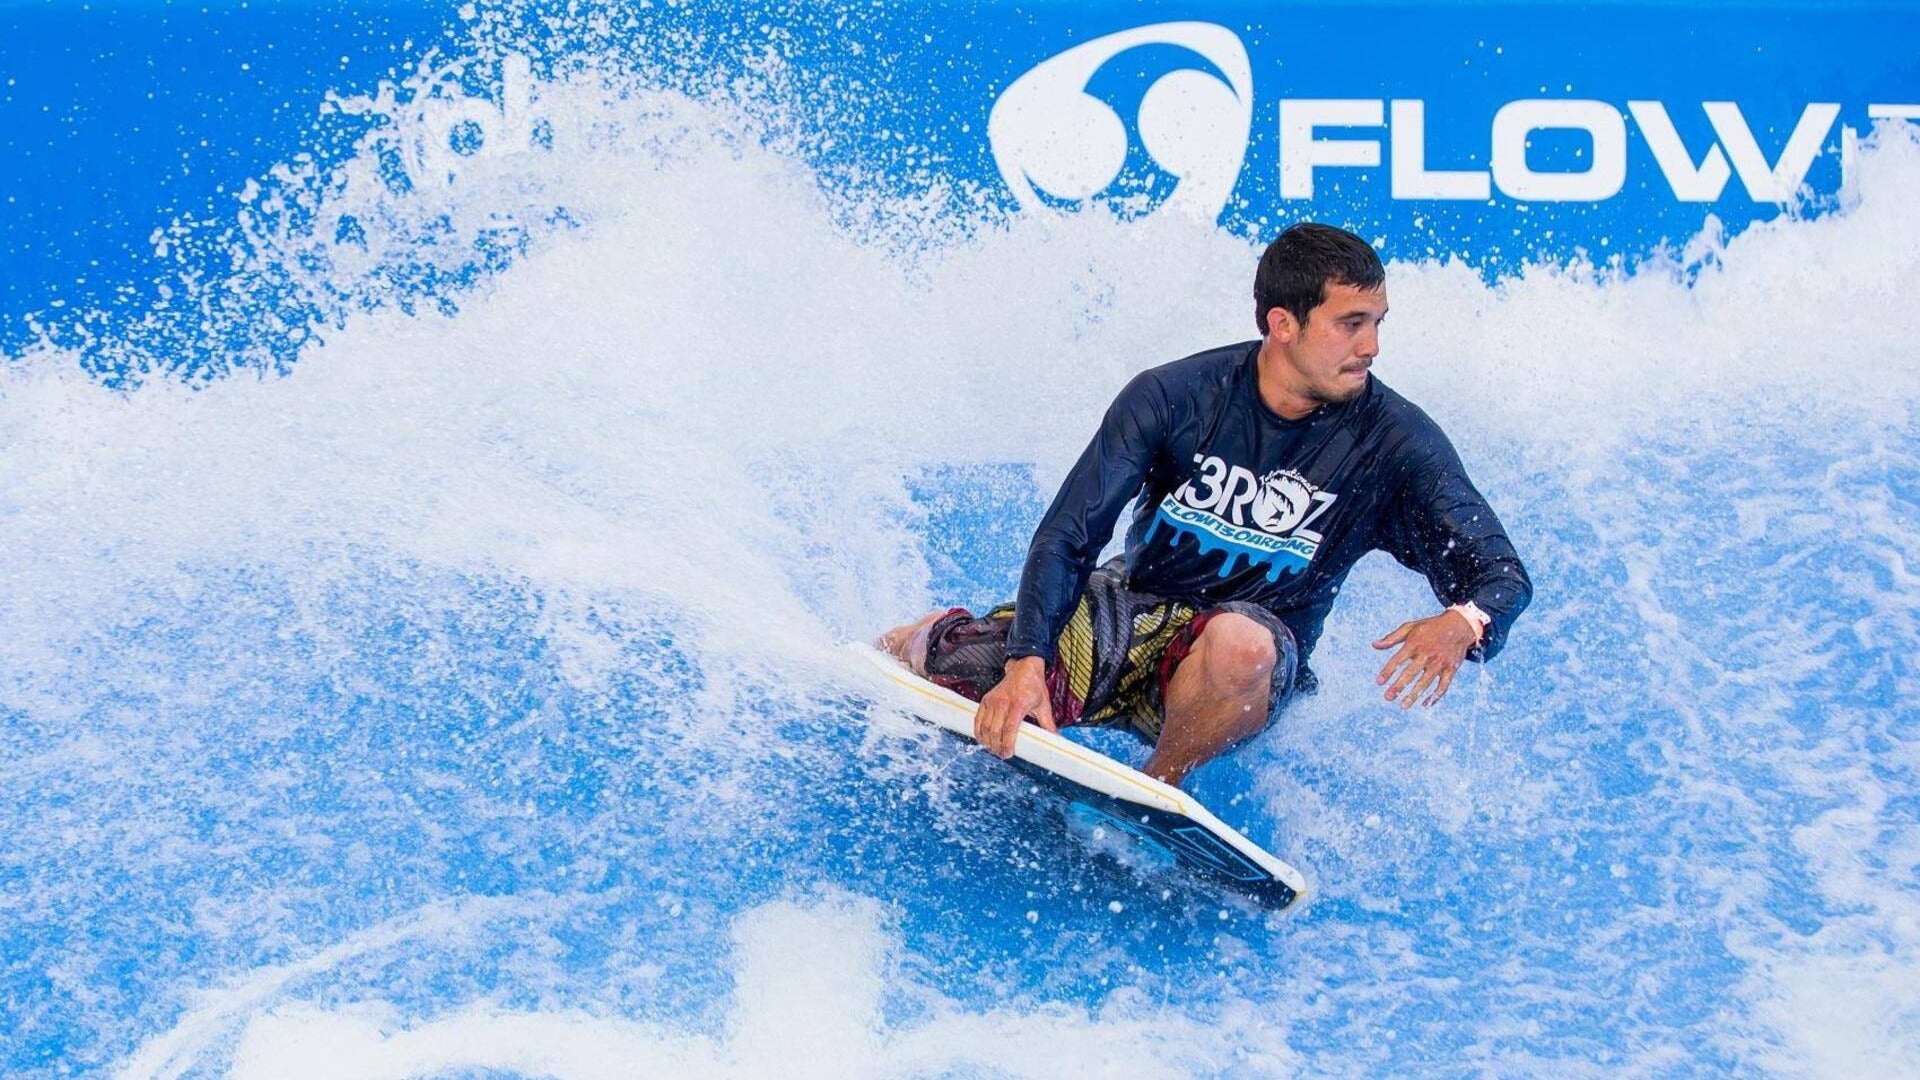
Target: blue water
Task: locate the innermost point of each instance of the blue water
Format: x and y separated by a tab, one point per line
443	679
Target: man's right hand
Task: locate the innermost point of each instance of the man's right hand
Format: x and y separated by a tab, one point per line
1020	694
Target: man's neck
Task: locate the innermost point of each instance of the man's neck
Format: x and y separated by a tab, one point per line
1278	388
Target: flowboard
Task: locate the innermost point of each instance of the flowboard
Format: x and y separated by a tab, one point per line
1157	814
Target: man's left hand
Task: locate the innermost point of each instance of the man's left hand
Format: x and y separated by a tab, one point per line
1431	650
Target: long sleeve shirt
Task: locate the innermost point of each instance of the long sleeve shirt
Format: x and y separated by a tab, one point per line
1235	502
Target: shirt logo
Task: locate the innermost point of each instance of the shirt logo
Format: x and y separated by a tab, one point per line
1257	519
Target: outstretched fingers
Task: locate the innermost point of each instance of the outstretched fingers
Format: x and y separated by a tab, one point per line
1394	637
1396	660
1409	672
1419	687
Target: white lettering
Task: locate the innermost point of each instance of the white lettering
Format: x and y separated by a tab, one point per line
1056	142
1241	486
1704	182
1691	183
1321	501
1736	152
445	112
1411	177
1778	182
1604	175
1211	474
1301	152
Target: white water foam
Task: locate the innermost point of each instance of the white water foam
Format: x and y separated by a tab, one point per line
710	400
811	983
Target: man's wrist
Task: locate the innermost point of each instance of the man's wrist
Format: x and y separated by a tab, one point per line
1476	618
1035	664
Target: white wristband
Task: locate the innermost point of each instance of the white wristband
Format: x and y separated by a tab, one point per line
1478	618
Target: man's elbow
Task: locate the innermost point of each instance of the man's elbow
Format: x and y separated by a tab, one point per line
1067	548
1522	589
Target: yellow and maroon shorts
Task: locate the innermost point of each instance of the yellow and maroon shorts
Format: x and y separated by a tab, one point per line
1113	660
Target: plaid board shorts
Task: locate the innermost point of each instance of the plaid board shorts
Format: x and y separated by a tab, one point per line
1113	660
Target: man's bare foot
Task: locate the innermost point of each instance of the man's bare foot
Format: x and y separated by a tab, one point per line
908	643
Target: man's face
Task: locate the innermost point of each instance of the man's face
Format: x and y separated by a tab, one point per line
1330	355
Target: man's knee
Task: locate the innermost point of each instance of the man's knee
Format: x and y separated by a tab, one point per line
1238	651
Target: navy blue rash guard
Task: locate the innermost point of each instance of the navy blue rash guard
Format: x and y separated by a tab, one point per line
1238	503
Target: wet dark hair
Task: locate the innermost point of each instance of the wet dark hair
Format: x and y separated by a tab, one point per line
1296	267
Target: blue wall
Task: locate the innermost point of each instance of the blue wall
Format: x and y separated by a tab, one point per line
116	119
1641	76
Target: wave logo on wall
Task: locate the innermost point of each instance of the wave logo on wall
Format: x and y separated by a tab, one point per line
1153	119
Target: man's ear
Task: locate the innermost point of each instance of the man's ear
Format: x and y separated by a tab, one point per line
1281	324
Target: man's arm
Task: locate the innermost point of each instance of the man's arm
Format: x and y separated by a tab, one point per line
1080	521
1068	541
1440	525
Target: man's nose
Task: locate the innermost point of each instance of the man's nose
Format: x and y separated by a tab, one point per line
1370	342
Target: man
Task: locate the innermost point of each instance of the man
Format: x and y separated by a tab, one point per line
1263	472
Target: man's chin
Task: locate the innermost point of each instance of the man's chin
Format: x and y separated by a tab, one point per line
1346	389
